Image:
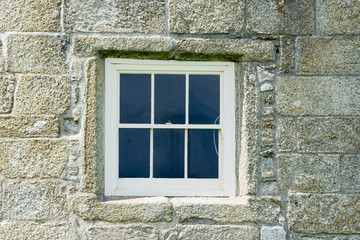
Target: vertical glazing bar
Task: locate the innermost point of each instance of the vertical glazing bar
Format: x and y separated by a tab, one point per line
186	154
151	152
152	97
187	99
152	122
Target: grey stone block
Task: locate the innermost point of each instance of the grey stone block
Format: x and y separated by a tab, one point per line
92	45
33	158
131	16
29	126
122	232
30	16
299	236
325	213
40	94
350	173
337	17
155	209
281	17
212	16
2	62
273	233
286	54
329	134
211	232
322	56
309	173
7	88
238	210
35	200
319	96
36	53
286	135
31	231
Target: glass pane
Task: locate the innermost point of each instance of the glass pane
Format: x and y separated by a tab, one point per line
168	153
203	157
135	98
204	99
169	98
134	153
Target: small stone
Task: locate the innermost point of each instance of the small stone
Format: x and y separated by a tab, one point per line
267	153
265	75
269	125
269	99
71	127
266	87
7	88
273	233
267	140
268	133
269	189
73	171
268	168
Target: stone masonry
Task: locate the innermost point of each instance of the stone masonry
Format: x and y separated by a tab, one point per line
297	109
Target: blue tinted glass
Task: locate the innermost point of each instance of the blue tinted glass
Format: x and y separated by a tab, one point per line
204	96
202	158
168	153
134	153
169	98
135	98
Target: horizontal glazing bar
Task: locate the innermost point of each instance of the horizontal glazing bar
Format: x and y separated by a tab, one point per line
171	126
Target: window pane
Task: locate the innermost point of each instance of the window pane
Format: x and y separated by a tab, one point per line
168	153
169	98
204	99
134	153
203	159
135	98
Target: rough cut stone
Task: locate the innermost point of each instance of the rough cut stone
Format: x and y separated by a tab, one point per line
286	135
329	134
286	54
29	126
281	17
155	209
212	16
2	63
207	49
227	210
131	16
350	173
336	17
36	53
323	56
39	94
32	158
35	200
309	173
326	213
318	95
297	236
92	45
7	88
273	233
122	232
211	232
30	16
32	231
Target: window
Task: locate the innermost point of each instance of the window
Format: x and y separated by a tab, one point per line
169	128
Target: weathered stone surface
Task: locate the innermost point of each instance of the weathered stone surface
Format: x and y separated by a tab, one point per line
326	213
298	236
321	56
38	94
338	17
2	62
281	17
7	88
270	188
286	54
329	134
36	53
220	210
318	96
273	233
122	232
30	16
207	49
92	45
31	231
131	16
155	209
309	173
286	135
350	173
33	158
211	232
29	126
35	200
213	16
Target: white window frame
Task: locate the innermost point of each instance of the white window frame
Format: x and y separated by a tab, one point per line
222	186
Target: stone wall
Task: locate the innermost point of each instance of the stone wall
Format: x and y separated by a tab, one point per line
298	117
